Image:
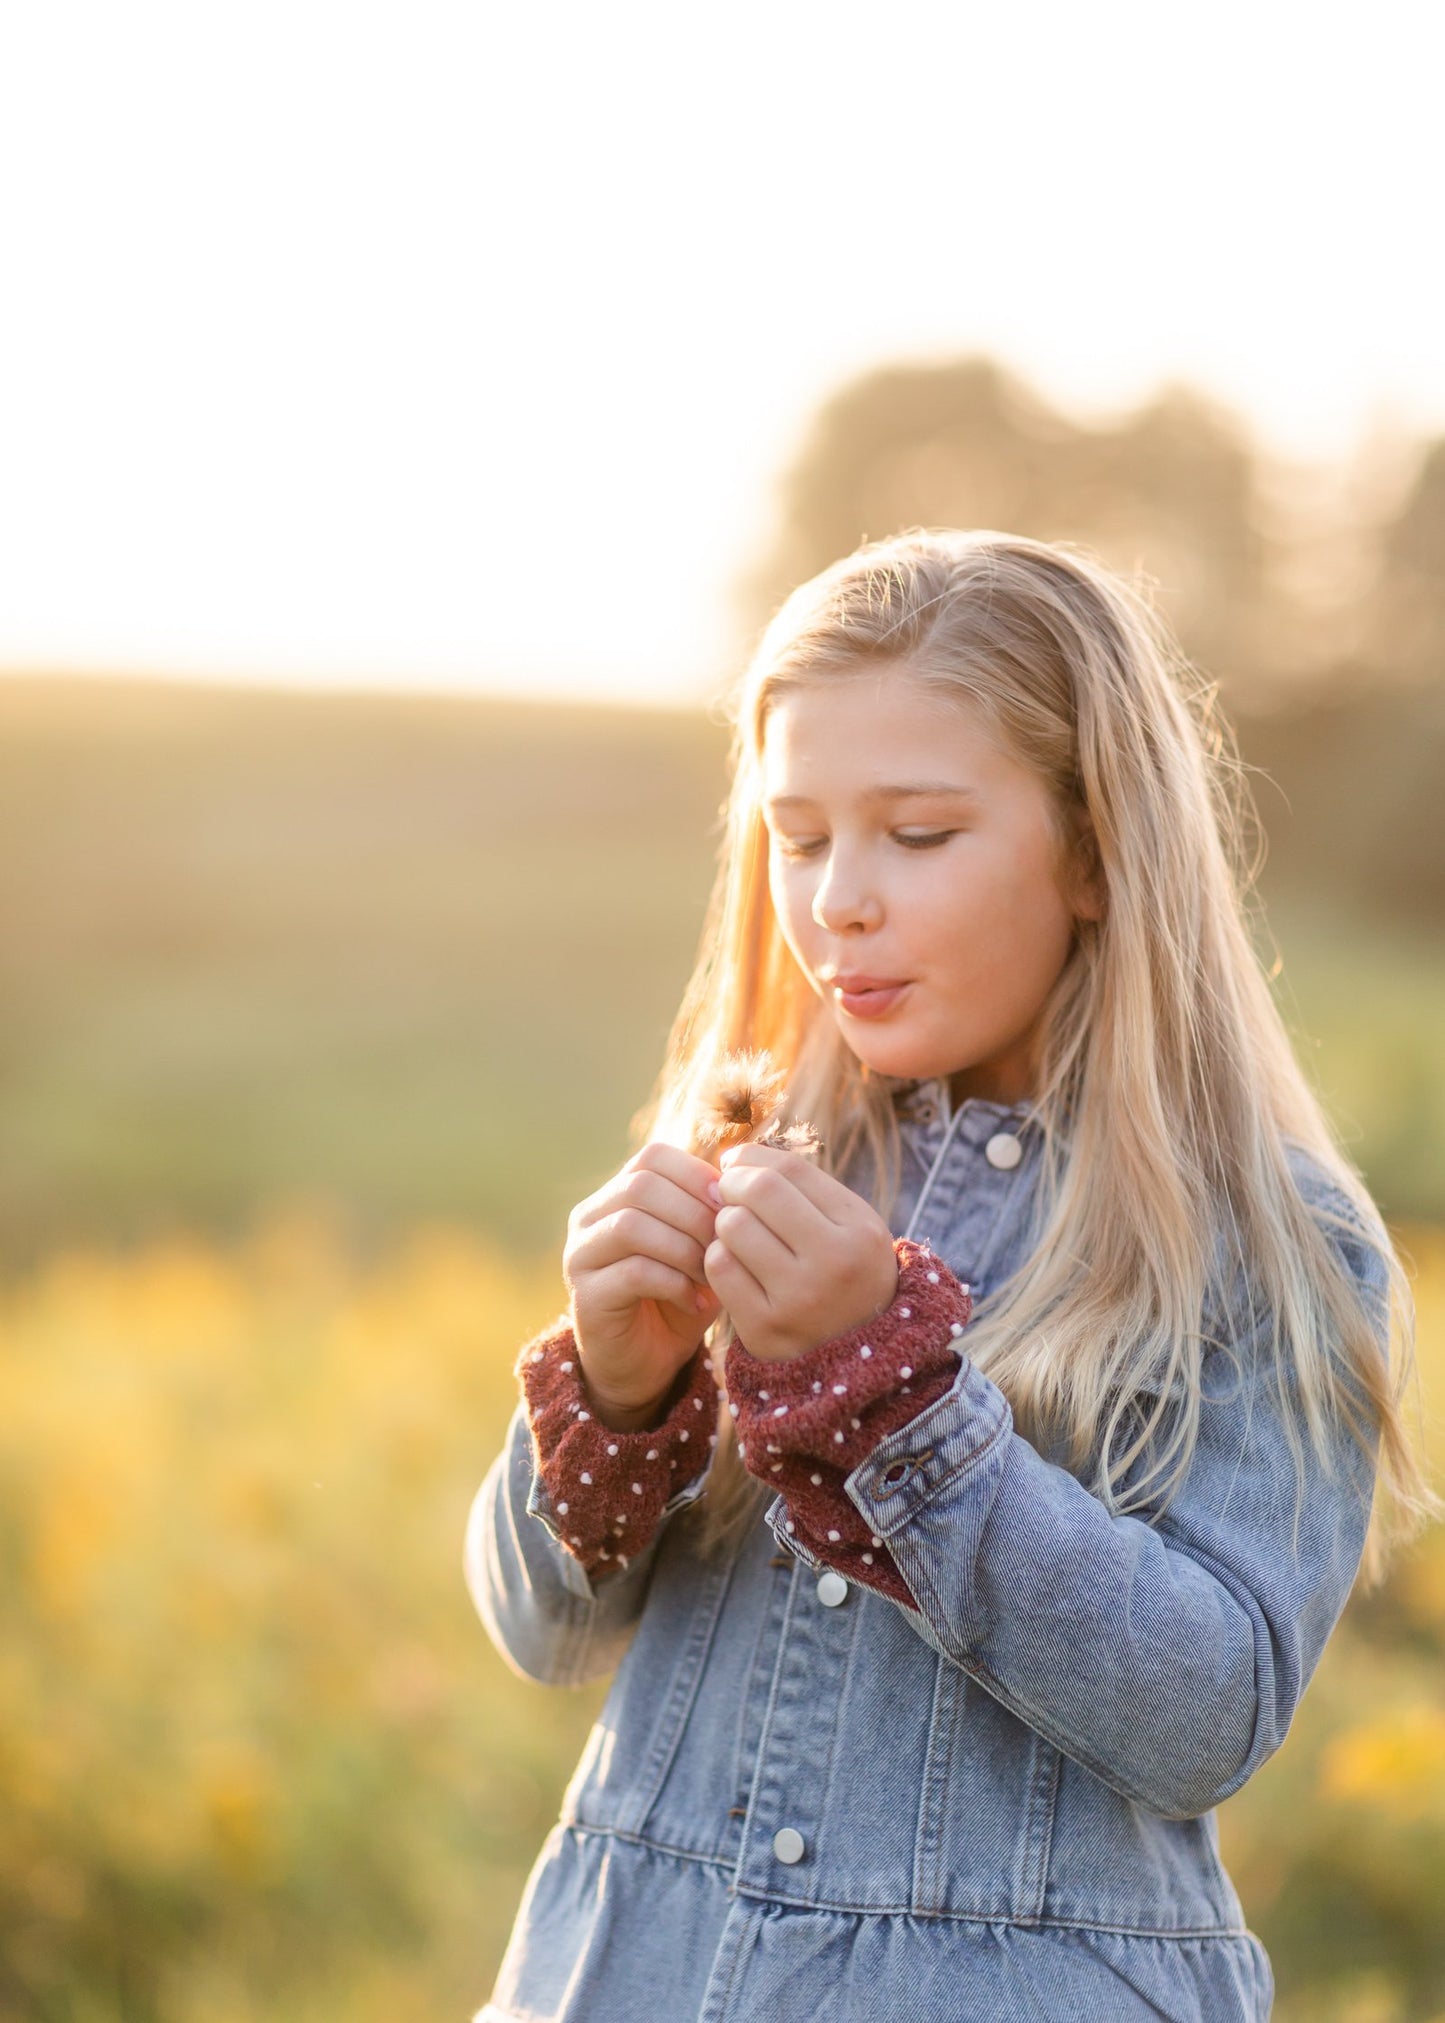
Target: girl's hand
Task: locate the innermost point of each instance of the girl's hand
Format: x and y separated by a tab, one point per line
640	1298
797	1256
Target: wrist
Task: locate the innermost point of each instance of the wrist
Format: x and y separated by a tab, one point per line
622	1419
625	1415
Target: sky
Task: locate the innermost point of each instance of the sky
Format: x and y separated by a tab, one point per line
448	346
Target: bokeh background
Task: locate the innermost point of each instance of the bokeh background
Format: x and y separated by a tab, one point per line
408	418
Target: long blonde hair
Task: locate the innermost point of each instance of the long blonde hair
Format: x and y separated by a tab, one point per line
1168	1090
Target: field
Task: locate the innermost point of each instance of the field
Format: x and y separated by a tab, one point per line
260	1760
316	1018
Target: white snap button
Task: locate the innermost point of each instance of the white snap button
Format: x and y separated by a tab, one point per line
788	1844
1003	1150
832	1589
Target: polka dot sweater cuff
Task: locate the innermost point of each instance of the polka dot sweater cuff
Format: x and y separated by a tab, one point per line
804	1425
608	1489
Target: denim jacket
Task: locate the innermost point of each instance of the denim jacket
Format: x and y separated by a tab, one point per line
803	1799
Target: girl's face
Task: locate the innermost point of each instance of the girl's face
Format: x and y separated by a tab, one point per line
906	847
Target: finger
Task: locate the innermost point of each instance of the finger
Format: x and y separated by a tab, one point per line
659	1195
684	1169
654	1164
633	1232
827	1195
619	1287
692	1176
755	1247
735	1286
780	1206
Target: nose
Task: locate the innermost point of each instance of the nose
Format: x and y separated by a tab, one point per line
843	901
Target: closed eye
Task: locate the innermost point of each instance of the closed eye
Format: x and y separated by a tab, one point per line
910	841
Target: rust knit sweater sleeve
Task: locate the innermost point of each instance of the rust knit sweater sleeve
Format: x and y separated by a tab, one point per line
608	1490
804	1425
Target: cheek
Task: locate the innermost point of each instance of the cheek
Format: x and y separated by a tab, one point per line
1014	907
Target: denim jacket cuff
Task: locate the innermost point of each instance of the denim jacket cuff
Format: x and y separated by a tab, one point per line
601	1493
938	1450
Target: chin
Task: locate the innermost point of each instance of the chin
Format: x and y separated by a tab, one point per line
883	1061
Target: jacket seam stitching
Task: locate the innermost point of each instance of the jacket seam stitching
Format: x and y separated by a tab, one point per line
756	1893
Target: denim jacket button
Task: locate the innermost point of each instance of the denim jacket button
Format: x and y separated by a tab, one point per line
788	1844
832	1589
1003	1150
895	1472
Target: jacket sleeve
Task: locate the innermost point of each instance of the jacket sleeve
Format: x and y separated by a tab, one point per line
564	1529
1165	1656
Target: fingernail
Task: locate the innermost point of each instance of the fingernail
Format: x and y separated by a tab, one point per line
703	1301
714	1192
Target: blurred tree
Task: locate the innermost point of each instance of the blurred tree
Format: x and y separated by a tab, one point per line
1358	760
1326	634
1351	798
1405	607
1170	490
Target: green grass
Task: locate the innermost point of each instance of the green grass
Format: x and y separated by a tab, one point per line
420	955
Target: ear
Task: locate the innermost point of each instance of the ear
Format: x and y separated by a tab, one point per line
1086	885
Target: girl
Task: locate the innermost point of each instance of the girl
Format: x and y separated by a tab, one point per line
998	1535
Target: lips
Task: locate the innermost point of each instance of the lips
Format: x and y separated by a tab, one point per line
867	997
853	984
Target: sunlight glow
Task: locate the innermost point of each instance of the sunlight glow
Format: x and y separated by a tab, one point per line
452	347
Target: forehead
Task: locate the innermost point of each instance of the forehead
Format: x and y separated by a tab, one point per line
858	733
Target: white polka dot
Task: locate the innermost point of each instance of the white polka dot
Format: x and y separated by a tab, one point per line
683	1434
583	1415
906	1371
908	1390
764	1396
933	1278
839	1389
817	1387
712	1439
622	1559
585	1476
867	1559
789	1525
905	1313
833	1536
774	1448
672	1464
865	1350
566	1366
815	1479
576	1541
612	1446
652	1451
536	1355
856	1424
955	1327
733	1406
838	1439
637	1489
619	1520
775	1467
875	1541
561	1510
780	1411
697	1404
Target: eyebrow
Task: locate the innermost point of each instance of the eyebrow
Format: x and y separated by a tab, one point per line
912	790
